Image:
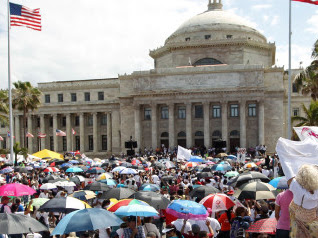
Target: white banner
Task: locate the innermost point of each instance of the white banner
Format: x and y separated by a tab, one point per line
183	154
293	154
305	132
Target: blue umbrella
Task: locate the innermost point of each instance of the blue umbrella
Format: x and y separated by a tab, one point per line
232	157
120	185
187	209
110	182
149	187
279	183
136	210
6	170
74	170
74	162
221	167
66	165
89	219
195	159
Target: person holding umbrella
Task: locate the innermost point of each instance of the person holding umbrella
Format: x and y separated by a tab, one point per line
134	229
5	208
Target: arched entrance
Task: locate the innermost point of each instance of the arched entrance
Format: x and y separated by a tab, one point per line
234	140
182	140
199	139
164	139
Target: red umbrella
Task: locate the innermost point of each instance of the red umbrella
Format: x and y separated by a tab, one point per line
191	164
135	162
217	202
267	226
51	169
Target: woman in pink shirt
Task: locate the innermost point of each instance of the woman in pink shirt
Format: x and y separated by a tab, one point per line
282	213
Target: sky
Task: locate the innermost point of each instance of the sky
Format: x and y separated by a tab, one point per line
93	39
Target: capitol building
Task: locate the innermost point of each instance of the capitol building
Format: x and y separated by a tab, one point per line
214	78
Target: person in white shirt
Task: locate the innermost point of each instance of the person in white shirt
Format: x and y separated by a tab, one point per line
98	201
44	194
215	225
179	224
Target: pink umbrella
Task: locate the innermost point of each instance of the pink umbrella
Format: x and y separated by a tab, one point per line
217	202
16	190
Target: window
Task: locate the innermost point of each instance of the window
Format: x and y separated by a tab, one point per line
187	39
101	96
234	110
216	110
103	120
77	121
87	97
77	143
198	111
182	134
60	97
164	134
63	121
51	121
217	134
73	97
207	61
38	122
294	88
4	142
234	133
181	112
296	112
164	113
3	125
64	143
229	36
90	120
252	110
207	37
147	114
47	98
51	143
104	142
90	143
199	133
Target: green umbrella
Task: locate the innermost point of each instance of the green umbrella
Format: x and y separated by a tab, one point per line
231	174
38	202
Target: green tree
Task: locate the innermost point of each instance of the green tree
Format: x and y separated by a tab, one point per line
311	115
4	108
26	98
19	151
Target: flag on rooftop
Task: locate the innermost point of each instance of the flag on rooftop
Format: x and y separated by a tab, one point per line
1	138
24	16
60	133
73	132
308	1
28	134
41	135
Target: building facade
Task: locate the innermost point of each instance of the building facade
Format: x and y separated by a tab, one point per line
214	78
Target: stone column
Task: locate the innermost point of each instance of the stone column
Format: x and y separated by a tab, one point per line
95	133
55	138
261	120
42	130
224	123
30	139
109	132
137	127
189	124
17	130
206	118
82	135
243	124
69	136
154	126
172	142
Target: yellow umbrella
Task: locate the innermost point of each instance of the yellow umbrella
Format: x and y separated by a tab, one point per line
47	153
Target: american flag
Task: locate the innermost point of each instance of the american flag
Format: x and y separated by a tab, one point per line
308	1
41	135
28	134
73	132
60	133
1	138
23	16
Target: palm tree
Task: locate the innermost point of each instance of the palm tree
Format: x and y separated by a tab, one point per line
311	115
4	109
314	54
19	151
25	98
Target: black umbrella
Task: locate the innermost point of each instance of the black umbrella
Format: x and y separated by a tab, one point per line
204	175
155	200
76	180
57	180
159	165
256	190
203	191
21	170
167	178
63	204
50	177
248	176
206	169
19	224
118	193
97	186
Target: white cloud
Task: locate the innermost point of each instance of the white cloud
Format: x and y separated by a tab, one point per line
260	7
299	54
313	22
265	17
274	20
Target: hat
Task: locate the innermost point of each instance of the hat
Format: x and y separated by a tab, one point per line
195	228
165	230
231	192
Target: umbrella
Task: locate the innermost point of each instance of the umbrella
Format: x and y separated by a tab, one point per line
109	182
221	167
231	174
155	200
203	191
136	210
65	184
63	204
50	177
217	202
191	164
128	171
51	169
196	159
126	165
66	165
159	165
125	202
86	220
221	155
95	170
207	174
6	170
104	176
232	157
16	190
47	153
169	164
135	162
37	202
118	193
97	186
206	169
255	190
83	195
75	180
118	169
83	167
245	177
279	183
74	170
47	186
216	160
21	170
74	161
186	209
267	226
19	224
250	165
167	178
58	180
149	187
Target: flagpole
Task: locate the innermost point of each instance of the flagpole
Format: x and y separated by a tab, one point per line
289	76
10	90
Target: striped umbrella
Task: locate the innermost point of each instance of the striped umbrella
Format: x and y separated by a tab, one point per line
248	176
83	195
63	204
126	202
51	169
255	190
217	202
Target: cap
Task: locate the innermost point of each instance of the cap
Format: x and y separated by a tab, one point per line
231	192
165	230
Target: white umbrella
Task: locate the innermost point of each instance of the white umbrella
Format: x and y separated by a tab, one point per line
65	184
128	171
47	186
